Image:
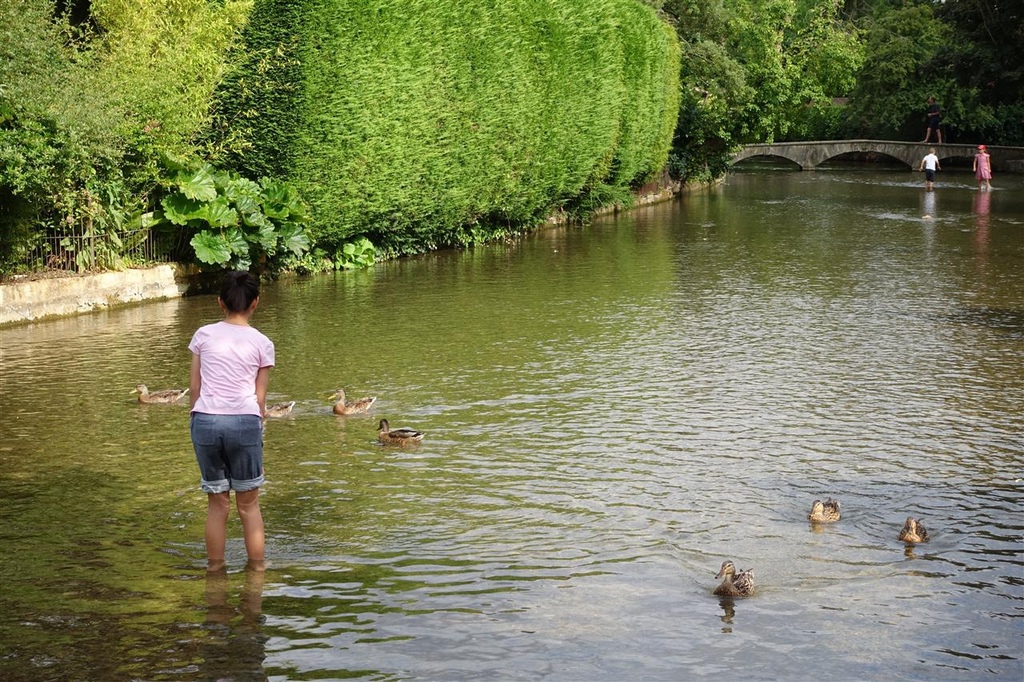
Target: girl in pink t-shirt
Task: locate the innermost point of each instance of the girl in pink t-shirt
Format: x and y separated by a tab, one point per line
228	381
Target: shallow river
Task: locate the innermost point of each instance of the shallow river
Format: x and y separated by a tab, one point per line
610	413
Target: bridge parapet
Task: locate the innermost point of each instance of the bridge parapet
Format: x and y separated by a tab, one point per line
809	155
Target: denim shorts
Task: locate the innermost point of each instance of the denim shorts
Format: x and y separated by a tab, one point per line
229	450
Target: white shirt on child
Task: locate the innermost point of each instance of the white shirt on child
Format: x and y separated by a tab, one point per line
230	355
931	162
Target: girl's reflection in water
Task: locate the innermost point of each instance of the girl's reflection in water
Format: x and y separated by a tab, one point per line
234	647
982	207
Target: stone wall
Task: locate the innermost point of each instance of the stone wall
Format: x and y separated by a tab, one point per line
33	299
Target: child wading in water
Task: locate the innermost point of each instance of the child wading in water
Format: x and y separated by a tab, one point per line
983	168
231	364
930	164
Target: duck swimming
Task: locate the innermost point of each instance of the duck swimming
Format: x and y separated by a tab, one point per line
280	409
913	531
825	512
387	435
735	584
167	395
342	406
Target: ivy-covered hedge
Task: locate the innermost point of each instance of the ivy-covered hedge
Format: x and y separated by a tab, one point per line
425	123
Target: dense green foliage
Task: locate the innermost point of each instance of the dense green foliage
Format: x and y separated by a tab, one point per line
756	71
60	147
86	106
900	42
413	124
965	53
425	123
164	59
764	70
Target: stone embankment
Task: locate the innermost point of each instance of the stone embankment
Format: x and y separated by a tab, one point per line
34	299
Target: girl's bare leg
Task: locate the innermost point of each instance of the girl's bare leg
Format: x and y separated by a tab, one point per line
249	512
218	505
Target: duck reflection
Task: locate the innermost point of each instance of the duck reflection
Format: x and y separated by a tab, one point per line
728	613
234	647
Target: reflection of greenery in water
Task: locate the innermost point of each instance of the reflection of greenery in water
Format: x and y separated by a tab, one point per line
87	550
608	412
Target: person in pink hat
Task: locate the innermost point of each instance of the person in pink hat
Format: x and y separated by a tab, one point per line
983	168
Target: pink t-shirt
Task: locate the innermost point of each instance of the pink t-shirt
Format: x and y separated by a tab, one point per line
230	355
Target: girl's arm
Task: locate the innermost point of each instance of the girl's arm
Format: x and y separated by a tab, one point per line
195	381
262	382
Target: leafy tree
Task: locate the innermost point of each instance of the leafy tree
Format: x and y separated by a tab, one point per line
758	41
91	99
830	52
889	99
799	55
755	71
985	50
713	89
984	58
165	59
965	53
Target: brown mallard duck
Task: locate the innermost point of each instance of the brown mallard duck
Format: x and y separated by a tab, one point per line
913	531
387	435
734	584
280	409
167	395
342	406
825	512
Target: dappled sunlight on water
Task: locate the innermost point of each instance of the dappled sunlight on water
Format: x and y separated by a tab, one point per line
610	413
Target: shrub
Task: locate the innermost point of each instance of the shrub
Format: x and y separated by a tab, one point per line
84	111
60	153
235	222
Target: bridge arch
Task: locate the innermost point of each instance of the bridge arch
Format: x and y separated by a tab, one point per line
736	158
800	159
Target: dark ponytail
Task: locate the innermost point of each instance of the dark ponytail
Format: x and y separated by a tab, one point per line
238	290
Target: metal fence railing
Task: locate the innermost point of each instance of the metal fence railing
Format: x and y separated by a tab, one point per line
105	251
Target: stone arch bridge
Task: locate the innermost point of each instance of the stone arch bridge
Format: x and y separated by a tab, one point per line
808	155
